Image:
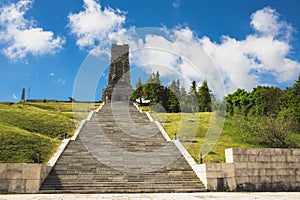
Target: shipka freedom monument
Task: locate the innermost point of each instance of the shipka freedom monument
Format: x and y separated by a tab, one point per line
118	87
119	150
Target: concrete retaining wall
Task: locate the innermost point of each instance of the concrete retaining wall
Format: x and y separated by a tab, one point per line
254	170
22	177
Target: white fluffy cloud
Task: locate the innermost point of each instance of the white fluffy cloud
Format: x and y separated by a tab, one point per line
179	53
94	25
239	63
176	54
266	22
244	63
21	37
180	56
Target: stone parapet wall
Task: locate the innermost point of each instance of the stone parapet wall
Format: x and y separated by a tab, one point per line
22	177
254	170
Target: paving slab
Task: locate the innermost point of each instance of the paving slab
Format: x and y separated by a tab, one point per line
158	196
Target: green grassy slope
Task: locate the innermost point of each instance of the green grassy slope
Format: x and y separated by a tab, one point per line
195	126
19	145
31	132
33	119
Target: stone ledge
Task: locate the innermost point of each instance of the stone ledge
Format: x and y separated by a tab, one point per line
58	152
162	130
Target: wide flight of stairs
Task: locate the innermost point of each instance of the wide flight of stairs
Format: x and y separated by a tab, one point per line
120	151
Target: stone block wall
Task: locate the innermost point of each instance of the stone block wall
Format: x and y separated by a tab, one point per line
22	177
218	176
248	169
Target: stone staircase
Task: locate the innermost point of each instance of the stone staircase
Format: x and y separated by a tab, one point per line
120	151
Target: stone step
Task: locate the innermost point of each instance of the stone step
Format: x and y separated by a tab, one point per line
94	173
107	182
108	132
128	186
154	189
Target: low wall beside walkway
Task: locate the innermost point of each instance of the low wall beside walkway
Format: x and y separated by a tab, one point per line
22	177
247	169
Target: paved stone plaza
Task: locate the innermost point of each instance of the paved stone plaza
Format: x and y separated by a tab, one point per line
171	196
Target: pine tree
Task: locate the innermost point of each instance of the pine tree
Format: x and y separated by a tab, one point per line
138	84
156	78
183	93
193	88
204	97
138	92
152	90
190	102
173	102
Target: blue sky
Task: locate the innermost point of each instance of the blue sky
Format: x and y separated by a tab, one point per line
44	44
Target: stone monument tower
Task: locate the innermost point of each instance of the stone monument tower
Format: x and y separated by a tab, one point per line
118	87
23	95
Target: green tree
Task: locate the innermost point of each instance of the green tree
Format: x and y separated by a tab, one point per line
269	131
173	100
266	100
182	93
236	100
190	101
139	84
204	97
291	103
193	88
138	92
153	90
293	99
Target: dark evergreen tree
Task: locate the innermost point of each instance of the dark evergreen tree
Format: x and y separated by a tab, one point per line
193	88
138	92
139	84
152	90
173	94
183	93
190	102
204	97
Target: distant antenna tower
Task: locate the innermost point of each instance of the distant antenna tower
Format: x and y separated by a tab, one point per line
28	93
23	95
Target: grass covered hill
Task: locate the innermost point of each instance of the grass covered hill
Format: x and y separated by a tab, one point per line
30	132
181	123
